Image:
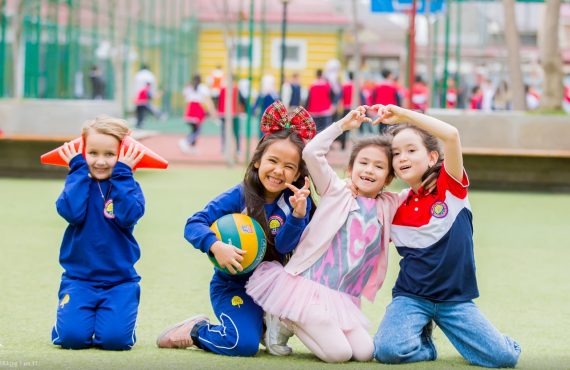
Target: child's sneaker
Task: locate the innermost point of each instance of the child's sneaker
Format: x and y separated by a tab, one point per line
184	146
276	336
178	336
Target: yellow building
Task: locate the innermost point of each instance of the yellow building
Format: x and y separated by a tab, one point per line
314	36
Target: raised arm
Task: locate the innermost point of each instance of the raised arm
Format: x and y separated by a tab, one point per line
448	134
314	156
72	203
314	153
128	198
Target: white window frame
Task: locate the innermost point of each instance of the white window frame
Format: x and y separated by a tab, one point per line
276	53
244	59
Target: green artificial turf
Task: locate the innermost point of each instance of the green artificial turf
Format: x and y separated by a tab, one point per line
522	252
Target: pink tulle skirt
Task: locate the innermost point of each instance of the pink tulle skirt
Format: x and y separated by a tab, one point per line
291	297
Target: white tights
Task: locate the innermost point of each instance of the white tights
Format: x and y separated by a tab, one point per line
329	342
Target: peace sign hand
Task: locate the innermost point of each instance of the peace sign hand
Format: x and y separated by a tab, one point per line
299	198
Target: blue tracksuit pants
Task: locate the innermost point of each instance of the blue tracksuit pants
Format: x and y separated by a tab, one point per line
91	314
241	319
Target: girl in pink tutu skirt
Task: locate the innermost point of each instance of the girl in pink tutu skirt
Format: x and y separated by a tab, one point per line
342	253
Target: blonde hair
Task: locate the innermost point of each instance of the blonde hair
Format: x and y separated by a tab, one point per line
106	125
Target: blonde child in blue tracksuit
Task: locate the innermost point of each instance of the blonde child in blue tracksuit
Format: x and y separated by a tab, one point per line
275	193
102	202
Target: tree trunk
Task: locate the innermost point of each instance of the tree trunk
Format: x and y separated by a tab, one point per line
119	75
357	58
551	58
18	51
227	122
120	50
514	58
430	50
117	55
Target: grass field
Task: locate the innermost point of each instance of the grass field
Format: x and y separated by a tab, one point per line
522	252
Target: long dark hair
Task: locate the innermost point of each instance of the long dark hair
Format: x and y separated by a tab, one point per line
431	143
196	80
255	192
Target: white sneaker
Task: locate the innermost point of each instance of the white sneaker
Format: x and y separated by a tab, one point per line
276	336
184	146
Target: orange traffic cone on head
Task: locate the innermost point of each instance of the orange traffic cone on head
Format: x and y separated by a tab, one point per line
53	157
149	160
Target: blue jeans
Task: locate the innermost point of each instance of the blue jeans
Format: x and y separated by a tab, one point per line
402	336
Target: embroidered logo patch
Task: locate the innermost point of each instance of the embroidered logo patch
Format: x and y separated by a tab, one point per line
108	209
237	301
64	301
275	222
439	209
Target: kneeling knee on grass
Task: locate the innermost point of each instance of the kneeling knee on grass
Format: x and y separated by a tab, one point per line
112	340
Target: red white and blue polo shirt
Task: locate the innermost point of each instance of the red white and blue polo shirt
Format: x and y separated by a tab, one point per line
434	235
